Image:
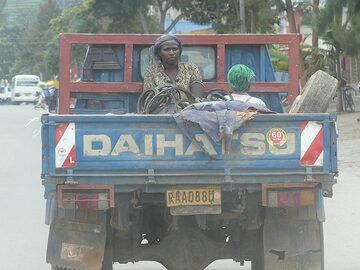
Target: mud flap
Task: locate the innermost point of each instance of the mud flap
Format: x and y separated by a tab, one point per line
76	244
292	239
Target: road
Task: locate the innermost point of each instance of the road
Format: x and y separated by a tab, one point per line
24	234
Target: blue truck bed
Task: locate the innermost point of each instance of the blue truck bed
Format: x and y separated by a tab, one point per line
137	149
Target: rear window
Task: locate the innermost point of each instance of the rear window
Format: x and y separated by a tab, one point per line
27	83
202	56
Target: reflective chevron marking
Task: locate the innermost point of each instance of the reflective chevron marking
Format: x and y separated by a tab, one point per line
65	152
312	144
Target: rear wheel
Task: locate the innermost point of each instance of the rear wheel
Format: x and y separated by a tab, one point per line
257	263
107	263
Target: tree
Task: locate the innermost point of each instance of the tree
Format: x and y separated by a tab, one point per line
35	41
342	33
313	57
163	7
114	16
287	6
262	16
315	16
224	15
9	46
2	5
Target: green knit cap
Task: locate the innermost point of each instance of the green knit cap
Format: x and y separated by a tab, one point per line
239	77
42	85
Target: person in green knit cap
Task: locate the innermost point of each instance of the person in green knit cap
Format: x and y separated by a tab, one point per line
239	79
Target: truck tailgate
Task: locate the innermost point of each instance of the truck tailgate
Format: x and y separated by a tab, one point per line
279	144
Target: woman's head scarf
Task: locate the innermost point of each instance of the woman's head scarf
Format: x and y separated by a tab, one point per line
42	85
239	77
166	39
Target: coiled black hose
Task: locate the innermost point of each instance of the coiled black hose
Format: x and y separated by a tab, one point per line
166	99
172	99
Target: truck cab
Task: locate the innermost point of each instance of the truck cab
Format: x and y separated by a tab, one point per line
121	186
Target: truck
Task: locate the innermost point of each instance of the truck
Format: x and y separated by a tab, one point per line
121	186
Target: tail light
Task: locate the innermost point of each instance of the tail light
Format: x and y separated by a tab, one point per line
289	194
95	197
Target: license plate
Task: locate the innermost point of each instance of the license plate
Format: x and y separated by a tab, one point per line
184	197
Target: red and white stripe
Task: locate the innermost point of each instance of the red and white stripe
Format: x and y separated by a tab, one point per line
65	152
312	144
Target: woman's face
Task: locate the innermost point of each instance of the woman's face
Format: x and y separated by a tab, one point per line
169	53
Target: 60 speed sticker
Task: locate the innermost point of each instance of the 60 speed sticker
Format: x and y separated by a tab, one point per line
276	137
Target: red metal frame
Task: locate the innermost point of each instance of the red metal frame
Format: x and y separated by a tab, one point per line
109	188
66	40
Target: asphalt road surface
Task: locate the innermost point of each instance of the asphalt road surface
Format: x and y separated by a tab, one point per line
23	237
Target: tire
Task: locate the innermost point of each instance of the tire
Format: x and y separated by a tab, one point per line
257	263
107	263
316	95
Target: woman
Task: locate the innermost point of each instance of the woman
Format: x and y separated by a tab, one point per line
170	71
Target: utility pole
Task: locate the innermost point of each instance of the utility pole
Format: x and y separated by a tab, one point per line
242	16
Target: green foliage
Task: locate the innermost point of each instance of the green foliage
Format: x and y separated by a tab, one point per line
224	14
219	13
2	5
75	19
318	58
51	58
35	42
263	15
39	43
96	16
279	59
341	33
9	46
